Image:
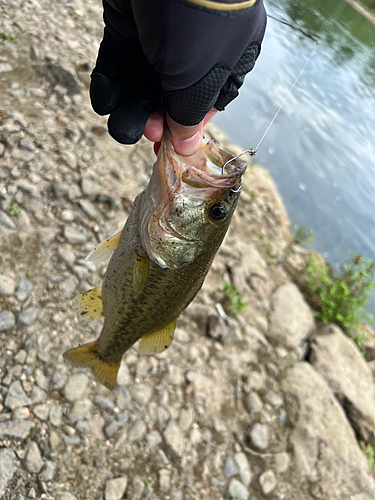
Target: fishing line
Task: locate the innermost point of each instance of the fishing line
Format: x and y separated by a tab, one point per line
253	152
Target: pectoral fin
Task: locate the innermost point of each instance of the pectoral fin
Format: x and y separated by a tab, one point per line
89	305
106	248
86	355
158	341
140	273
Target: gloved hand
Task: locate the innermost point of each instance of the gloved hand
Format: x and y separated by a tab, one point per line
148	61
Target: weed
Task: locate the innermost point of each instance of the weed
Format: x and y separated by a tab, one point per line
14	210
340	297
302	234
112	203
6	36
233	304
369	453
28	273
147	483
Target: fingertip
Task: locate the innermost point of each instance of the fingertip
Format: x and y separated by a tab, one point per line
154	126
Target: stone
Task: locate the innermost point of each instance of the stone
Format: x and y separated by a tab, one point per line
123	375
90	188
60	189
325	449
259	436
138	489
153	439
105	403
164	480
282	461
254	403
243	467
350	379
55	415
6	221
5	67
23	222
33	461
24	288
48	472
141	393
16	396
274	399
7	285
41	379
237	490
70	159
76	386
115	488
28	316
175	375
41	411
174	437
28	187
8	466
66	496
187	418
88	208
137	431
7	321
75	235
38	395
80	410
26	144
22	413
19	429
268	481
291	319
67	287
230	468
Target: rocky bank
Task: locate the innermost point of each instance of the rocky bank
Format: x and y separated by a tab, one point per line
269	405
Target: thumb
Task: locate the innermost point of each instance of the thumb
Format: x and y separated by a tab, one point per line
185	139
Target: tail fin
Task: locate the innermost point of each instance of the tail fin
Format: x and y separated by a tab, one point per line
86	355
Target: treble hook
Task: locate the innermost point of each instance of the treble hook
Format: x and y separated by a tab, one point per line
252	152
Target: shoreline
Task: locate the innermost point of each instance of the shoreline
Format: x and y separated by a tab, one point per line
362	10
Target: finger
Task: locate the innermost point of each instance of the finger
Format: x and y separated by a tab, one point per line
154	126
104	93
127	121
185	139
209	116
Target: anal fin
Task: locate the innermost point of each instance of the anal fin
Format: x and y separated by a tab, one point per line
140	273
86	355
89	305
158	341
105	249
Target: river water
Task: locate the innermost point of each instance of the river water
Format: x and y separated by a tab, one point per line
321	149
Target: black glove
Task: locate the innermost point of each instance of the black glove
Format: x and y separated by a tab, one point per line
192	58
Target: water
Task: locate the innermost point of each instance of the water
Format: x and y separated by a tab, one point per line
321	149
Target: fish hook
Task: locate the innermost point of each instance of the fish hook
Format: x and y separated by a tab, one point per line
252	152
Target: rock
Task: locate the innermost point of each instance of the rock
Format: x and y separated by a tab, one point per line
48	472
28	187
19	429
70	159
6	221
137	431
23	222
67	215
55	415
90	188
24	288
175	375
123	375
326	452
80	410
66	496
8	466
174	437
254	403
115	488
268	482
34	461
244	468
141	393
291	319
164	480
105	403
88	208
187	418
28	316
274	399
75	235
230	468
203	387
67	287
282	461
38	395
41	411
138	489
237	490
76	386
16	396
7	321
5	67
153	439
259	436
60	189
26	144
339	361
22	413
41	379
7	285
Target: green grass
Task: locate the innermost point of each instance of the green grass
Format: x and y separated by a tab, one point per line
369	453
28	273
232	303
6	36
14	210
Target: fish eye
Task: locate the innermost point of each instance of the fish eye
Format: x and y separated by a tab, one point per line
218	211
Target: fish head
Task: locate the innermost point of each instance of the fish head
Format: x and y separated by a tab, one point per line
189	202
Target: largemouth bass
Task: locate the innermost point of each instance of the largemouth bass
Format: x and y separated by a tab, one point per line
161	257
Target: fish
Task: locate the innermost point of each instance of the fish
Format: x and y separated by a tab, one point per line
160	258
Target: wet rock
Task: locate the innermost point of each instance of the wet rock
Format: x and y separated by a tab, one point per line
33	461
75	235
7	285
24	288
6	221
141	393
268	482
115	488
28	316
137	431
259	436
16	396
48	472
7	321
244	468
8	466
174	437
291	319
237	490
230	468
325	448
350	379
282	461
76	386
19	429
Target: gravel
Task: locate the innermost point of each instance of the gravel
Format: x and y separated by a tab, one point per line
33	461
16	396
76	386
259	436
268	482
115	488
7	285
7	321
